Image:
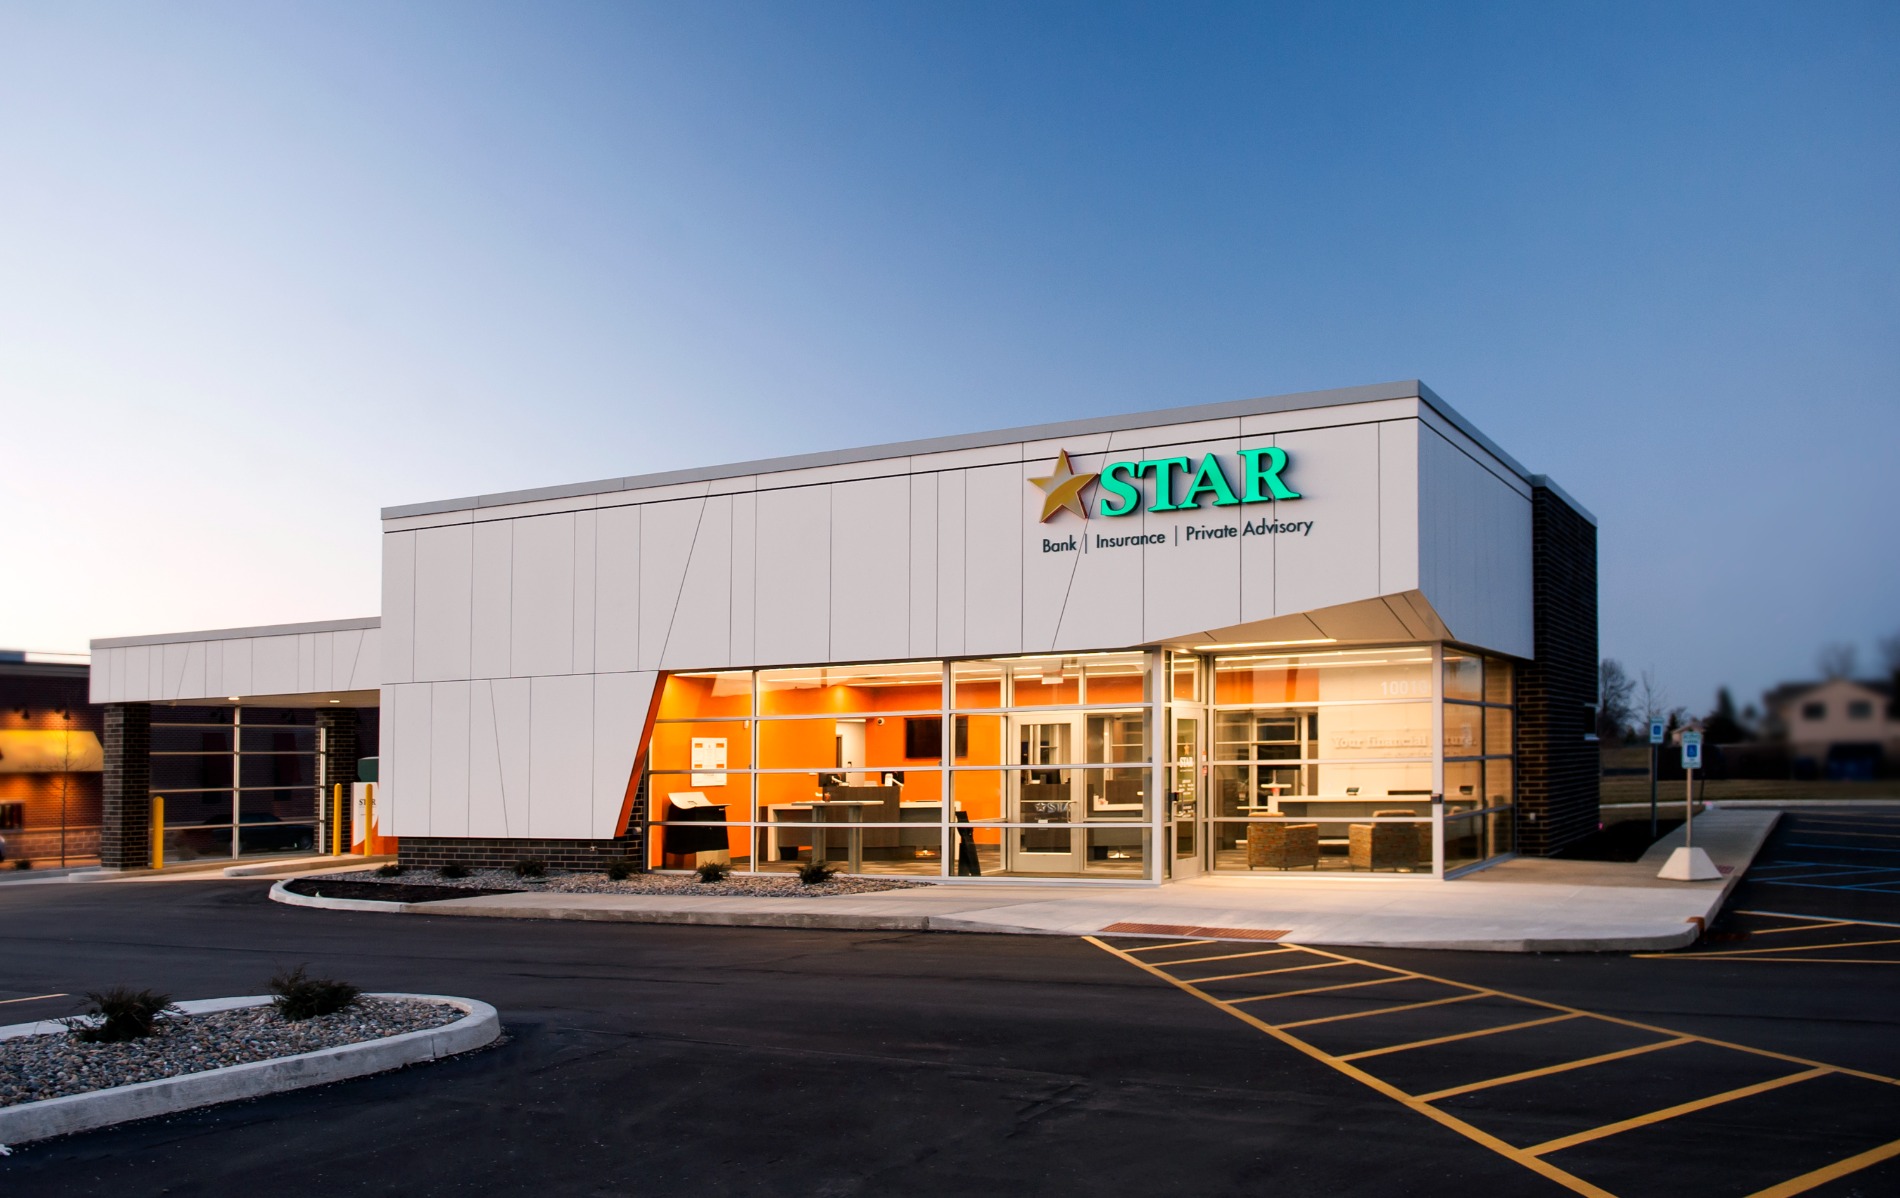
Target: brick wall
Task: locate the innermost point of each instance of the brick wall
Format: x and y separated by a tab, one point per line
499	852
1557	768
125	834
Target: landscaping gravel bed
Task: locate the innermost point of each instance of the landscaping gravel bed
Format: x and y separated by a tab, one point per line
50	1066
492	881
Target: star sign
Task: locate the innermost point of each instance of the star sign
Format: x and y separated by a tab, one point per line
1063	489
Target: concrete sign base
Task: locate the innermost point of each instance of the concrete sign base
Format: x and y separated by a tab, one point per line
1689	865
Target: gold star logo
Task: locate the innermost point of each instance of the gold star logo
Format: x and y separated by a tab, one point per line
1063	489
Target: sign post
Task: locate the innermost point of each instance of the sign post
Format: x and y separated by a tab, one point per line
1688	863
1657	730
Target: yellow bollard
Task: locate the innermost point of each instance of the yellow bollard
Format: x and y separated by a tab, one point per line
336	821
158	831
369	819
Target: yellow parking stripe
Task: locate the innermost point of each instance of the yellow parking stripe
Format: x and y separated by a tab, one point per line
1646	1027
1802	927
1827	1173
1262	952
1486	1031
1681	1108
1531	1158
1260	973
1792	948
1568	1180
1548	1070
1865	923
1321	989
1410	1006
30	998
1148	948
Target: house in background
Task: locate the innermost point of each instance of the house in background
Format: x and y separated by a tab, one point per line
50	759
1842	729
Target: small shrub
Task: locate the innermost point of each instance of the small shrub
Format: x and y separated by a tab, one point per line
119	1014
452	870
297	995
531	867
711	872
390	869
619	869
816	872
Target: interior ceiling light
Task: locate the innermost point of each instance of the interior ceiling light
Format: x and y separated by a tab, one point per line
234	698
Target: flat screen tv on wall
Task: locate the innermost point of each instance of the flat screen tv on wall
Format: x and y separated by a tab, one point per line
923	736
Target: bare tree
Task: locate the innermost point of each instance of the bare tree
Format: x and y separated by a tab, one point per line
1654	698
1613	699
1837	660
1890	652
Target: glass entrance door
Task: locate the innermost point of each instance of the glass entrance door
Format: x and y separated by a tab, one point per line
1187	767
1045	793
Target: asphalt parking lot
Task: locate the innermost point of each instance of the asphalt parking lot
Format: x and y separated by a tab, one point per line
643	1059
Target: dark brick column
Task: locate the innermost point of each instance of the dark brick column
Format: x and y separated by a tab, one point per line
125	832
336	731
1557	767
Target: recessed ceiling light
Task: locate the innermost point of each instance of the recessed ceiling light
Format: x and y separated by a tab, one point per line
336	700
235	698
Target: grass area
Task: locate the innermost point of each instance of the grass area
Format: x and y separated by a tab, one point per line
1636	790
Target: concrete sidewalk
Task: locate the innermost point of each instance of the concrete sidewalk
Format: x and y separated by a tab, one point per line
1527	905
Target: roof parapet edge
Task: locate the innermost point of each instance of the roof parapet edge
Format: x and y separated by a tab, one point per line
232	634
1334	397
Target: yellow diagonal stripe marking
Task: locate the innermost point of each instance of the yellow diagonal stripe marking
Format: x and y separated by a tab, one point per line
1318	989
1544	1168
1260	973
1827	1173
1792	948
1682	1108
1484	1031
1259	952
1548	1070
1803	927
1149	948
30	998
1410	1006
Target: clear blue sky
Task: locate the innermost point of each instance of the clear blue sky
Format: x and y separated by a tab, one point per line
265	268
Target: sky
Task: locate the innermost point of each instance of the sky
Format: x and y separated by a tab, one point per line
267	268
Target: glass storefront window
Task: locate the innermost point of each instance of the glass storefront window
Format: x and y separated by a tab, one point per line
1346	675
1497	680
1464	675
1464	730
1497	732
707	696
976	684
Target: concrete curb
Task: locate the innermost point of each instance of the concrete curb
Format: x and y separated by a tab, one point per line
1618	937
279	893
28	1121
